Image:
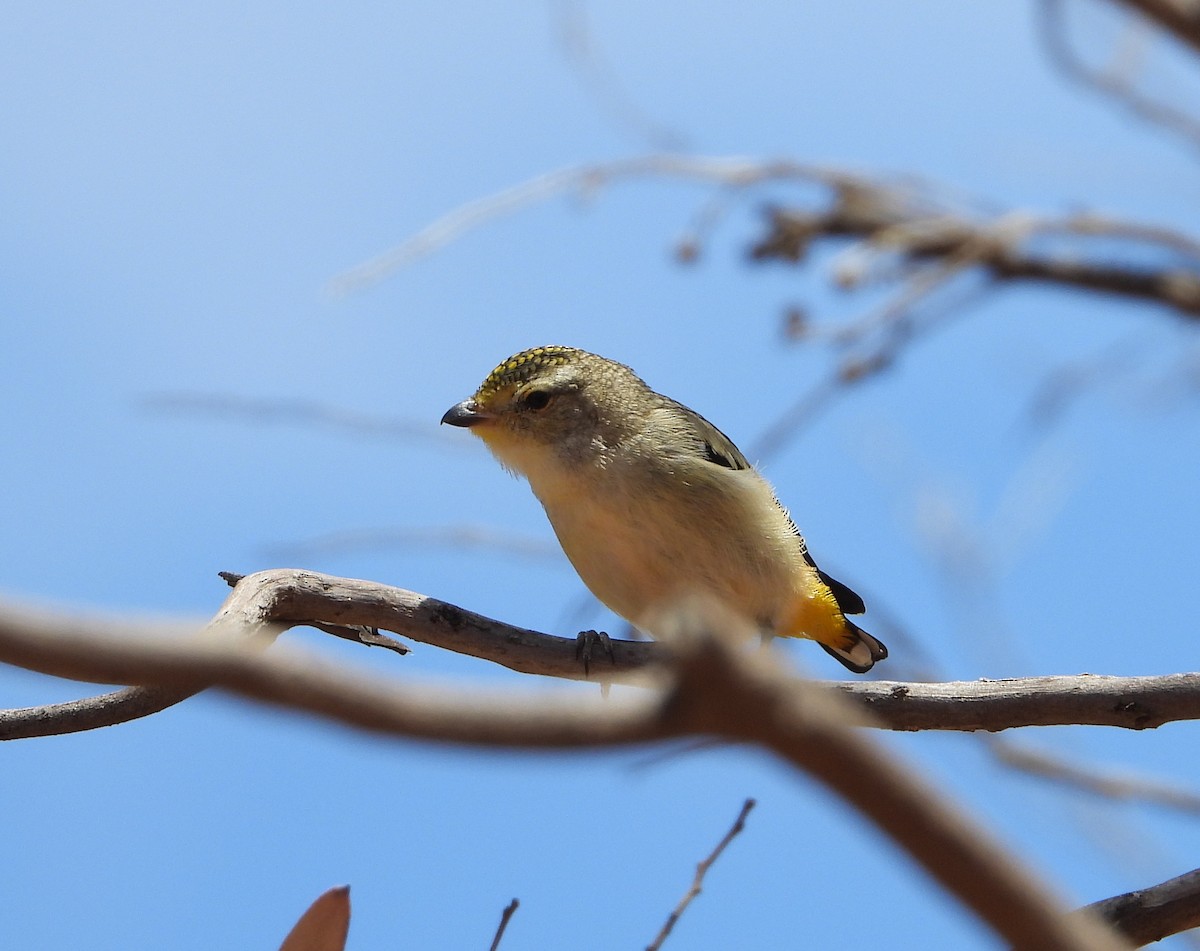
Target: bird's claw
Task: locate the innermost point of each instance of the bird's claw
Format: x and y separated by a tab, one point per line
585	644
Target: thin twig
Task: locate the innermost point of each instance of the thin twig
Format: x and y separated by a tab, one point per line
698	881
505	915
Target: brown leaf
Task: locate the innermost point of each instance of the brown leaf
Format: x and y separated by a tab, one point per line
324	926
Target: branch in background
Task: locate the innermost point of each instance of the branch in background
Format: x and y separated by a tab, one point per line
302	412
281	598
1114	81
903	232
584	180
458	537
509	910
897	222
600	80
1110	785
895	235
707	688
698	881
1151	914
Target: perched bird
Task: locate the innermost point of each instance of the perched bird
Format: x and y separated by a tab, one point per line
653	504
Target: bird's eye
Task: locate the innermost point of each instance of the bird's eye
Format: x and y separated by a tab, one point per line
537	399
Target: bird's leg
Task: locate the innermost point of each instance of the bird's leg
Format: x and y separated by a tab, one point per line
585	643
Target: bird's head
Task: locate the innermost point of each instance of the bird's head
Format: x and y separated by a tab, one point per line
553	405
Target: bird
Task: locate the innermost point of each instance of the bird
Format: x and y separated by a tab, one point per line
653	505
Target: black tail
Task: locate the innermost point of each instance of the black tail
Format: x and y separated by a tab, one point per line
862	654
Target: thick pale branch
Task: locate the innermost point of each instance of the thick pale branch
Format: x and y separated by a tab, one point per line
287	597
713	689
1135	703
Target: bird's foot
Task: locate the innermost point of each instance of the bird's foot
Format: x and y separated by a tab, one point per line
585	644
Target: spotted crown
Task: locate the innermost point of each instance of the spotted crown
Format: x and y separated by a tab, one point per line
525	365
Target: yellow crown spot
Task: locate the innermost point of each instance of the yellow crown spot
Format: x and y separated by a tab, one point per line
524	366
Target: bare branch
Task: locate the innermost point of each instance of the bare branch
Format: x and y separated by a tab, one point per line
286	597
509	910
698	881
1151	914
1134	703
711	688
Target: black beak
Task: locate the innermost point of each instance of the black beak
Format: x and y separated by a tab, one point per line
466	413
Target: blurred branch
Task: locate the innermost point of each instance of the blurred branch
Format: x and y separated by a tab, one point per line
585	180
904	234
1114	81
600	81
271	601
898	224
708	688
698	881
1180	18
295	412
1151	914
1110	785
447	536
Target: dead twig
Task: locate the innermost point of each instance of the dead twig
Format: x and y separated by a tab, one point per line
505	915
698	881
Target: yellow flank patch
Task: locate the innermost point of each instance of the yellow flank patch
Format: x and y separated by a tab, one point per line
816	615
524	366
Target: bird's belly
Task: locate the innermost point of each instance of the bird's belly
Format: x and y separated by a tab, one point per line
643	558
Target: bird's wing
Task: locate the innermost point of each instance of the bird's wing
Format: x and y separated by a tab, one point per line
711	443
719	449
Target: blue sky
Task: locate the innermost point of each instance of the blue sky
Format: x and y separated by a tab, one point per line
178	187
